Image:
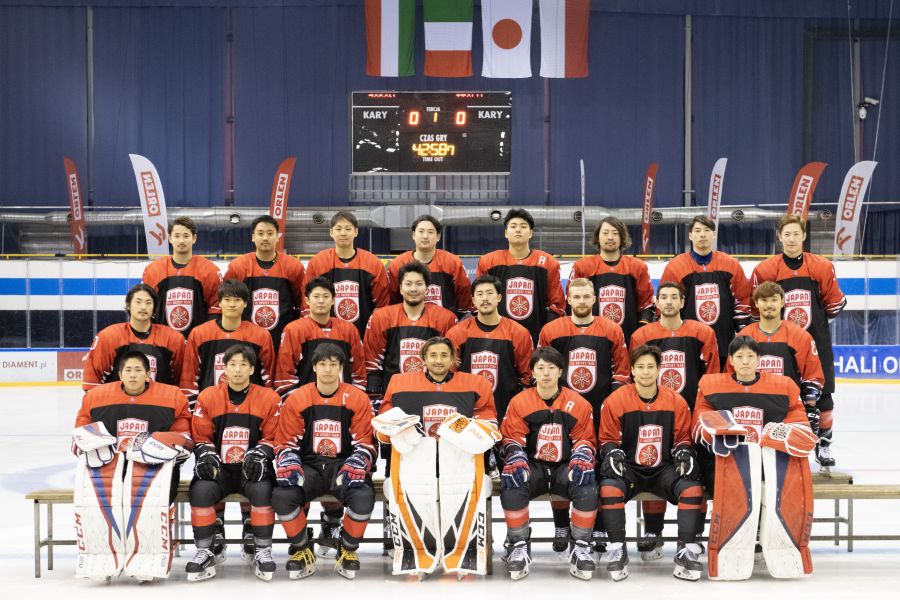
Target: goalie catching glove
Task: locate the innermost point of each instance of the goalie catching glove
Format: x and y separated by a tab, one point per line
257	463
613	464
581	466
796	439
516	469
288	469
208	463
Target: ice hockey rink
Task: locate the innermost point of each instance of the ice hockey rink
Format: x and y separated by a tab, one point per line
34	444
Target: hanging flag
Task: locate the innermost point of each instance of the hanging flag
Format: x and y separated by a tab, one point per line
390	29
153	205
649	188
448	38
716	181
564	37
852	194
506	30
76	205
281	188
804	186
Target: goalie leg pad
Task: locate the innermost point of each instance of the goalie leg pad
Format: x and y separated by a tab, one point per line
464	489
149	519
735	515
99	522
787	514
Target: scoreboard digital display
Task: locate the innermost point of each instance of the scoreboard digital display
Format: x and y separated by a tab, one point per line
421	132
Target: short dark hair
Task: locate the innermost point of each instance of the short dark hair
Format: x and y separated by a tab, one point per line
435	341
268	219
414	266
233	288
703	220
186	222
518	213
140	287
789	220
437	224
315	282
547	354
328	352
767	289
487	279
624	236
244	350
742	341
129	354
344	215
670	284
644	350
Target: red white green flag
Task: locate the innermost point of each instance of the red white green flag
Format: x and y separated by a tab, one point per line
564	37
390	30
448	38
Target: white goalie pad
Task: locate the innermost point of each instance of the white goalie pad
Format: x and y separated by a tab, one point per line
473	436
735	516
399	427
464	490
149	519
411	492
99	522
787	514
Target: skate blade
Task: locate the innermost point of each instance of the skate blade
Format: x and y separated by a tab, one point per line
247	558
345	573
581	574
686	574
301	574
143	580
208	573
262	575
517	575
651	555
325	551
619	575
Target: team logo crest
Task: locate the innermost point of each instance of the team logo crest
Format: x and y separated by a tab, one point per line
433	415
435	295
771	364
219	369
265	308
649	447
235	441
327	437
519	297
798	307
410	355
127	429
581	370
486	364
179	308
706	302
152	361
671	370
752	418
346	300
549	443
611	299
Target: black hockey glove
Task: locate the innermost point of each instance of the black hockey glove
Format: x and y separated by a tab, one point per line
257	463
686	465
612	466
208	463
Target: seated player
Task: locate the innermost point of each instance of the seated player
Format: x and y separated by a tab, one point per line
548	448
324	445
645	440
233	427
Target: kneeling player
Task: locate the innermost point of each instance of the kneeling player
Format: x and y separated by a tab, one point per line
646	447
324	445
548	445
234	429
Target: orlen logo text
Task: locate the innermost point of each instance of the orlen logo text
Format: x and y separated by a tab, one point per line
280	189
716	190
149	183
802	190
76	197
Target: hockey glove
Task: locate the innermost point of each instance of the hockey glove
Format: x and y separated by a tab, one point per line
581	466
613	464
686	463
810	393
257	463
208	463
356	467
516	470
288	469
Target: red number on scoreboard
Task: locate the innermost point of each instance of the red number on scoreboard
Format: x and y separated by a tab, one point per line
413	117
460	117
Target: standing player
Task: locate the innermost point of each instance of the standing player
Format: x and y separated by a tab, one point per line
359	278
450	286
621	283
548	446
275	280
812	298
645	440
324	445
530	278
716	290
163	347
233	427
186	284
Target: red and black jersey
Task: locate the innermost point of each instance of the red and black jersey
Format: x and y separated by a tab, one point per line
393	341
499	353
276	290
187	293
325	428
450	286
767	399
235	427
204	360
812	296
647	431
688	353
623	288
160	407
595	355
163	347
300	340
549	431
360	284
716	294
532	293
788	351
463	393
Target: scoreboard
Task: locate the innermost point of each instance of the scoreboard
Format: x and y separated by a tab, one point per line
423	132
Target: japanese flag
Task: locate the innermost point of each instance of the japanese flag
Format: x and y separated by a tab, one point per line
506	29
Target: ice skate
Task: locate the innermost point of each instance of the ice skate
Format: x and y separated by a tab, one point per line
650	546
263	563
518	560
248	549
561	541
347	564
203	565
327	543
302	562
617	563
581	561
824	457
687	566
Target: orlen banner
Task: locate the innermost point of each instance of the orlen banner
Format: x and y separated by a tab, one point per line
153	205
853	192
281	189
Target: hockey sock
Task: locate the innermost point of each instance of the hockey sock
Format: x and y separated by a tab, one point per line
516	524
295	527
262	522
353	527
560	509
654	515
583	524
826	422
333	511
203	520
612	503
220	512
690	517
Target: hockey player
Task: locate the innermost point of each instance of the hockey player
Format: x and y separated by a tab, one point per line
275	280
645	440
163	346
186	284
717	292
532	291
548	446
450	287
360	281
233	427
495	347
621	283
324	445
812	298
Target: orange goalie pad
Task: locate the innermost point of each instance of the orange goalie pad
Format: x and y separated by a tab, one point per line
788	514
733	524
